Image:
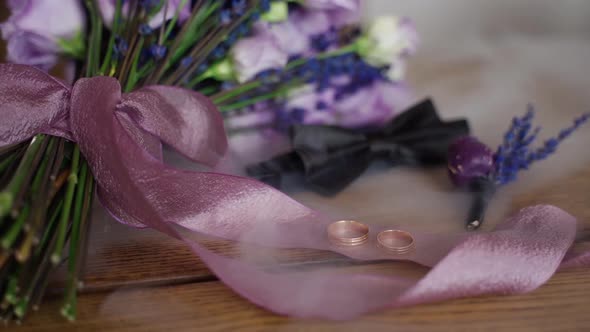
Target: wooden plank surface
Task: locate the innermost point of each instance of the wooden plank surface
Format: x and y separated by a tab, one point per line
139	280
123	256
560	305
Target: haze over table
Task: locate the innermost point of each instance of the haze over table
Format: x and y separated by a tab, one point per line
490	84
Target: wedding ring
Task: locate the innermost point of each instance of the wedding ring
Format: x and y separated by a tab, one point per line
348	233
396	241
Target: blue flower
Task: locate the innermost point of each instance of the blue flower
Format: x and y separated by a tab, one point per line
515	153
158	51
145	30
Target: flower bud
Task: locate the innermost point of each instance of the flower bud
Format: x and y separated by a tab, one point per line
469	159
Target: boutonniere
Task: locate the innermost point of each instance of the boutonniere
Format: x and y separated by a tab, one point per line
475	167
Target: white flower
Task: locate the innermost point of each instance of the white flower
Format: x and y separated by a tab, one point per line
387	39
397	70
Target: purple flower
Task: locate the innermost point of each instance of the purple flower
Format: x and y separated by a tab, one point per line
38	30
339	12
314	105
260	115
370	106
469	159
256	54
373	105
107	10
286	35
294	35
311	22
349	5
31	49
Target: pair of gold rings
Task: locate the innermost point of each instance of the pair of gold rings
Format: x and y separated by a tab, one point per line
351	233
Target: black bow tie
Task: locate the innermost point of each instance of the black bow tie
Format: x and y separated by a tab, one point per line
330	158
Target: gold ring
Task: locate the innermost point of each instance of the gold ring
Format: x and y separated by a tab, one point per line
396	241
348	233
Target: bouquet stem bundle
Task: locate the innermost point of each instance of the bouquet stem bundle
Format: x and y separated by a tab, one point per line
46	186
44	203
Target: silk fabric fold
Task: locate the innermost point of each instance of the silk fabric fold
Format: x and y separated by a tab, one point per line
121	135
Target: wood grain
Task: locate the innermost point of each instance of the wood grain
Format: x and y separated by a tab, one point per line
124	256
140	280
560	305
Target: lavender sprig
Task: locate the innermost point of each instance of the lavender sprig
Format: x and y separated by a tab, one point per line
551	144
516	153
321	71
473	166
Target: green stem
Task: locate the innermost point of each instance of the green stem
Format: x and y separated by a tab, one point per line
198	79
25	187
7	161
225	95
205	43
145	69
207	91
189	34
107	60
69	307
122	75
12	288
85	225
58	160
42	171
50	228
65	214
15	229
7	196
43	251
254	100
172	23
133	74
20	308
204	48
4	150
93	55
228	94
341	51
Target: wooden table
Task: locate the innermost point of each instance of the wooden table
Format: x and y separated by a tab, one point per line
139	280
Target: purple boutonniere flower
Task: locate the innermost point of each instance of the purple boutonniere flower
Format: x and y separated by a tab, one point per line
469	159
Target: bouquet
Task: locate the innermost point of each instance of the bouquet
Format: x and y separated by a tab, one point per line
263	66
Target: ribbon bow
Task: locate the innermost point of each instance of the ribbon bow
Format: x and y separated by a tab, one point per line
120	136
331	157
115	131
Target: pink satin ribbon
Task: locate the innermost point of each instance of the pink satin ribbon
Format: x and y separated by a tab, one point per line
120	135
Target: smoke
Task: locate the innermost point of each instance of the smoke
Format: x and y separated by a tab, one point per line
484	60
